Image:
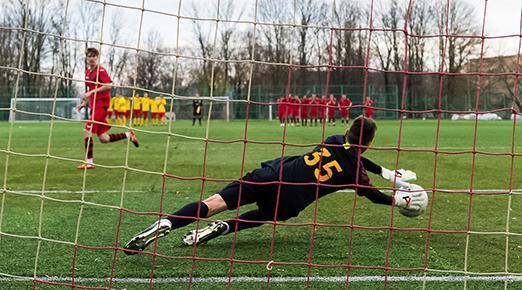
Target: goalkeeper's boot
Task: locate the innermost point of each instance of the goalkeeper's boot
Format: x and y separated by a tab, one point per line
140	241
203	235
133	138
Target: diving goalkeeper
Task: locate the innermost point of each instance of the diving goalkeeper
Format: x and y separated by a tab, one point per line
336	165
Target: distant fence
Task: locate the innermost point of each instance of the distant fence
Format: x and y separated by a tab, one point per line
264	98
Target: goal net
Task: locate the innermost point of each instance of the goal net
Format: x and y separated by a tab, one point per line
412	65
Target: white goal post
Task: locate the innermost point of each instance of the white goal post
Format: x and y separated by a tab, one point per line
41	109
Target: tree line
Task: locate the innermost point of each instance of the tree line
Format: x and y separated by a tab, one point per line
342	42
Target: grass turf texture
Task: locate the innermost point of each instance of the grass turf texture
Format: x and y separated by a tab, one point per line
142	192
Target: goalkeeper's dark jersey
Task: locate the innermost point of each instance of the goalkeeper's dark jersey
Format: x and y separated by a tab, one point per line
336	170
197	108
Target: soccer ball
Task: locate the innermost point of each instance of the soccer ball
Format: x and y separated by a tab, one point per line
419	197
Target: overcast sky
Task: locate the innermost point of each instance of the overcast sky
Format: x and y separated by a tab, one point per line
502	18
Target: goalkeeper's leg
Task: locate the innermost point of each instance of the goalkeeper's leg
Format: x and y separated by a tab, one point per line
183	217
216	229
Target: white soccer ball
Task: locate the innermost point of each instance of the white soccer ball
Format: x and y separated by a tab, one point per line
419	200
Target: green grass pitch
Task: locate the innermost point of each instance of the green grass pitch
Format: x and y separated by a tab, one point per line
55	218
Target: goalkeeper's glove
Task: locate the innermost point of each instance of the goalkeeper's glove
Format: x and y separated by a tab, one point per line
408	199
400	176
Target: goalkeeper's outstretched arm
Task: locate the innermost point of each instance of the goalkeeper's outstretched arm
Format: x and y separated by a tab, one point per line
407	199
375	196
371	166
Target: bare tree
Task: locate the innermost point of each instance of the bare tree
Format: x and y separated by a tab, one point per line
420	23
276	39
387	45
117	58
349	43
150	64
458	21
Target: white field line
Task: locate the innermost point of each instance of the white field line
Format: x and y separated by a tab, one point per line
72	191
510	278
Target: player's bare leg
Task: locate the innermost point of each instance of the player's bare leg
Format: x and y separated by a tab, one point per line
108	138
89	148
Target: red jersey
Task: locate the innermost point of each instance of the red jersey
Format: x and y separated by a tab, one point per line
322	109
94	79
280	107
332	106
288	106
369	110
345	104
295	108
314	108
304	107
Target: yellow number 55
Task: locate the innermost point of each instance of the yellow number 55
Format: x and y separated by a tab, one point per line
314	159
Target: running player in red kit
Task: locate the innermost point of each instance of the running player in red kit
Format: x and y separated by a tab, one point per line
98	96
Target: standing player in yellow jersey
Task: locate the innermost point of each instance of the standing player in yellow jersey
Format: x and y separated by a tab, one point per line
119	109
126	109
145	108
136	112
110	110
161	109
154	110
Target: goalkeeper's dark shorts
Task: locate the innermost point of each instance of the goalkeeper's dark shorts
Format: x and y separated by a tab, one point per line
261	187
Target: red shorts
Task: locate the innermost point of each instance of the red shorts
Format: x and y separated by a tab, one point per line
313	114
162	114
127	114
135	113
145	114
99	116
155	115
344	114
109	113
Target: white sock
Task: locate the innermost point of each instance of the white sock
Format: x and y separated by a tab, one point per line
127	134
90	161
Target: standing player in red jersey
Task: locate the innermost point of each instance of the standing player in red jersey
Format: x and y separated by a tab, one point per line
322	108
331	107
280	111
304	110
295	110
314	109
344	108
98	96
368	107
288	101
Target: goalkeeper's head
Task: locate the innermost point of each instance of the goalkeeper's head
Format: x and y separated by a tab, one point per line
353	135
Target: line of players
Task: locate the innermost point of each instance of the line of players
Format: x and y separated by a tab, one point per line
144	109
295	110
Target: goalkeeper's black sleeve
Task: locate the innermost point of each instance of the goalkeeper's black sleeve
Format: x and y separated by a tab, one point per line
375	195
371	166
